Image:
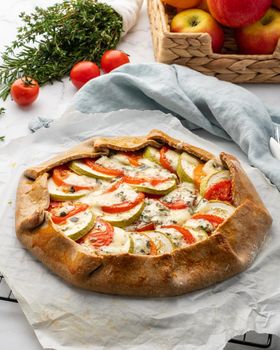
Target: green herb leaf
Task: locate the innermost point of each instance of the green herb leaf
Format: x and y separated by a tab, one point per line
52	40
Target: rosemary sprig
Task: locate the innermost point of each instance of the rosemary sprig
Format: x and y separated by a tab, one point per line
52	40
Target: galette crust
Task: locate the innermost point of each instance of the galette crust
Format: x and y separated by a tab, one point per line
230	250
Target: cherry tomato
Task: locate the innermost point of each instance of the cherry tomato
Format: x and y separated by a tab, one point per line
24	91
124	206
82	72
220	191
113	59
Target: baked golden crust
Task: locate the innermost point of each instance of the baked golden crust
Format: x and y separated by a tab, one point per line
84	149
227	252
161	137
132	143
32	200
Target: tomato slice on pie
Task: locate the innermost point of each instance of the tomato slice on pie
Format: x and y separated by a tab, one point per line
163	159
54	204
64	215
114	187
101	234
186	233
124	206
107	171
213	219
138	181
179	204
60	174
220	191
153	248
132	158
198	175
146	227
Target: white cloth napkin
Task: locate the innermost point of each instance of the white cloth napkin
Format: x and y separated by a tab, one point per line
128	9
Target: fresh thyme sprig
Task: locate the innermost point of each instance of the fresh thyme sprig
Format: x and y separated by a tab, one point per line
52	40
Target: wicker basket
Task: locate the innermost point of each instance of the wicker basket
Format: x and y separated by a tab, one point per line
195	51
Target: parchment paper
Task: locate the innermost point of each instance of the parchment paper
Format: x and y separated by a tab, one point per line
64	317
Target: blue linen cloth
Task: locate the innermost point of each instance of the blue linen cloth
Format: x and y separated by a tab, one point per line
223	109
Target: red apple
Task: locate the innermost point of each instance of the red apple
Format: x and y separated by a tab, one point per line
204	6
261	37
182	4
238	13
276	3
199	21
188	4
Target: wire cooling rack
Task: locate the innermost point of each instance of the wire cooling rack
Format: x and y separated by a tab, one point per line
264	340
5	292
249	339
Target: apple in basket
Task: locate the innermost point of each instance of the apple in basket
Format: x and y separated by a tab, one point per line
276	3
182	4
238	13
198	21
204	6
261	37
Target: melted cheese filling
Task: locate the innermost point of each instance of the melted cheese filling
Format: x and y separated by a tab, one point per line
98	199
75	223
150	211
162	242
80	180
159	214
121	243
185	192
123	217
60	190
141	243
175	236
172	158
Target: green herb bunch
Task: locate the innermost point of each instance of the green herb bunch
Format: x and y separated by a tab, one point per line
53	39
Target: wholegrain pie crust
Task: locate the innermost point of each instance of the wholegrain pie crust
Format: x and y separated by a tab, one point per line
230	249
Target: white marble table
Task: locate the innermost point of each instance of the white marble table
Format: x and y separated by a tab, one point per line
52	102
